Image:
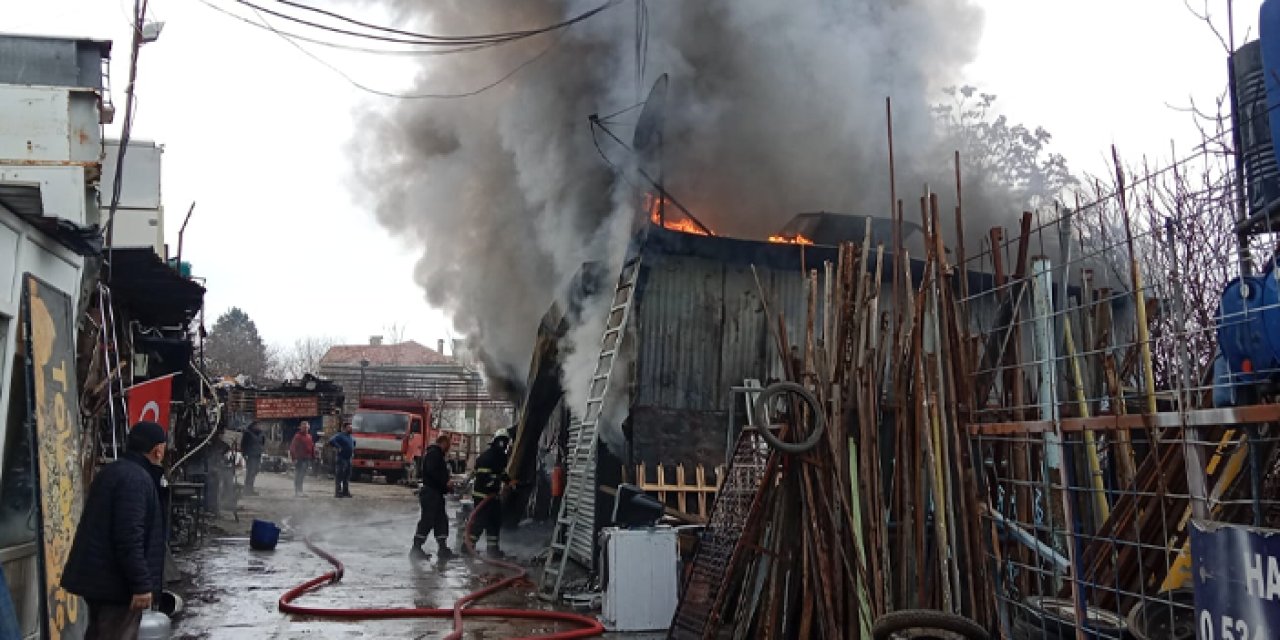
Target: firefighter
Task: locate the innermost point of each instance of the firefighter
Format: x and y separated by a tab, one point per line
435	484
490	478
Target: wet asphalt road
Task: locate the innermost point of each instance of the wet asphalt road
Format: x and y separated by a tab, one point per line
231	591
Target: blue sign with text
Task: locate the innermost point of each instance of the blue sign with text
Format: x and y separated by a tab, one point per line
1236	573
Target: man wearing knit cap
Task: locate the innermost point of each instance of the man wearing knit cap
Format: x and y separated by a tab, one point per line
117	559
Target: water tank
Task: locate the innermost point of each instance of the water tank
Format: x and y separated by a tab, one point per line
1249	325
1269	36
1251	118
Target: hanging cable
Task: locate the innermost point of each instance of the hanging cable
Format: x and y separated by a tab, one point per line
435	39
347	47
417	96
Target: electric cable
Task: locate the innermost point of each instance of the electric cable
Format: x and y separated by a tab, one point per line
502	36
588	627
347	47
418	96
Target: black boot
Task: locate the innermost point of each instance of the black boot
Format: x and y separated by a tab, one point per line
444	552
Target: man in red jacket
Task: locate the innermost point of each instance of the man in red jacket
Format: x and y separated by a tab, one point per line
302	449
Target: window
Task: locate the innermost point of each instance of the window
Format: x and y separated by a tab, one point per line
17	484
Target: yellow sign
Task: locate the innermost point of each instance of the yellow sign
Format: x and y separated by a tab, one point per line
57	445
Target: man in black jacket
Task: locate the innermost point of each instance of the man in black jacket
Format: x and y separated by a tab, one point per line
251	445
491	477
435	484
117	559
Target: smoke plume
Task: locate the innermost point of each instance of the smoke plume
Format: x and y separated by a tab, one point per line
774	108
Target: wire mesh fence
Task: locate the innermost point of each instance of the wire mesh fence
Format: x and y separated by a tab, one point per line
1121	365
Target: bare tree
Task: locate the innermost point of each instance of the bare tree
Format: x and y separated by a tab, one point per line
303	357
1180	222
394	333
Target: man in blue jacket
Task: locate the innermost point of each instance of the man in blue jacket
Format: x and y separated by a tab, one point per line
346	448
117	558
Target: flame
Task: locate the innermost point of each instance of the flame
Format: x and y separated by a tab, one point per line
684	225
795	239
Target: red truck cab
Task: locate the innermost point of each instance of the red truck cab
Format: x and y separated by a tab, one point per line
390	435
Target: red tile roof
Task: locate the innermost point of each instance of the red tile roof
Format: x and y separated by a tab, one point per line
404	353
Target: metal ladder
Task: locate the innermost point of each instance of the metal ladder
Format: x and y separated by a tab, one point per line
575	525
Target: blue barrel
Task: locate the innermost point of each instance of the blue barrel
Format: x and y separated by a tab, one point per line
1249	326
264	535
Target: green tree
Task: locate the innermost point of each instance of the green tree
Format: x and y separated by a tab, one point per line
234	347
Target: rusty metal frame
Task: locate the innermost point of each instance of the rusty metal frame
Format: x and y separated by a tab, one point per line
1256	414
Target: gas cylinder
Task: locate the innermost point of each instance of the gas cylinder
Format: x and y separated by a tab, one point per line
155	626
557	482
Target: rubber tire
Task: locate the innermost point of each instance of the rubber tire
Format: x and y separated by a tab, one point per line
896	621
1048	624
819	418
1032	630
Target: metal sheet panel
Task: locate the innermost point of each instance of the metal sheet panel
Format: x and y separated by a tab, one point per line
679	315
63	192
62	62
141	186
745	332
49	125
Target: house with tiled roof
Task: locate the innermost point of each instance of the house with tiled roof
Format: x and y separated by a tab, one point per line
376	353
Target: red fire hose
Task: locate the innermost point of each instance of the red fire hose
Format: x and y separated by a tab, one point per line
590	627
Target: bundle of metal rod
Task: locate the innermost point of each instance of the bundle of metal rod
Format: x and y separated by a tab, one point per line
877	515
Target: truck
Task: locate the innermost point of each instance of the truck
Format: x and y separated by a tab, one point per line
391	434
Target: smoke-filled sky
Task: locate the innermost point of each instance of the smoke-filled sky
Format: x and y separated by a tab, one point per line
773	109
324	210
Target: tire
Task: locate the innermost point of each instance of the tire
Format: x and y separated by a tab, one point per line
394	477
819	418
1034	630
1056	618
926	620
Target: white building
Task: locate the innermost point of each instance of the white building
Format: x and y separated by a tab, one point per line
53	103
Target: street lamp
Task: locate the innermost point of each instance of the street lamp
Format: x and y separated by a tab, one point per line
364	364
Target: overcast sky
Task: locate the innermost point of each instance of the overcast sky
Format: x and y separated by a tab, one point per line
256	133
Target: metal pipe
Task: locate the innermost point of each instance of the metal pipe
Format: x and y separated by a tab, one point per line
1102	510
1196	483
1031	542
1042	305
182	230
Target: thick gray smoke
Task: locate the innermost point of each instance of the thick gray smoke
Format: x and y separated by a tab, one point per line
774	108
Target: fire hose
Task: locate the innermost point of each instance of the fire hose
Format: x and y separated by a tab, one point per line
589	627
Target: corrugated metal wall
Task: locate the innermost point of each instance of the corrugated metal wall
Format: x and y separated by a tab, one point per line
701	328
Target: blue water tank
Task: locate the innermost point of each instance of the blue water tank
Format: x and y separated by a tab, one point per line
1249	325
1269	36
1252	120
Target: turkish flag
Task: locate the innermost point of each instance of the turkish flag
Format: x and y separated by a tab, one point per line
150	401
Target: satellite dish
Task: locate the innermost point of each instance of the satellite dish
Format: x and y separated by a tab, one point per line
649	127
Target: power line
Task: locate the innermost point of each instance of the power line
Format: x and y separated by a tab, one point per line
423	39
418	96
509	35
345	47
